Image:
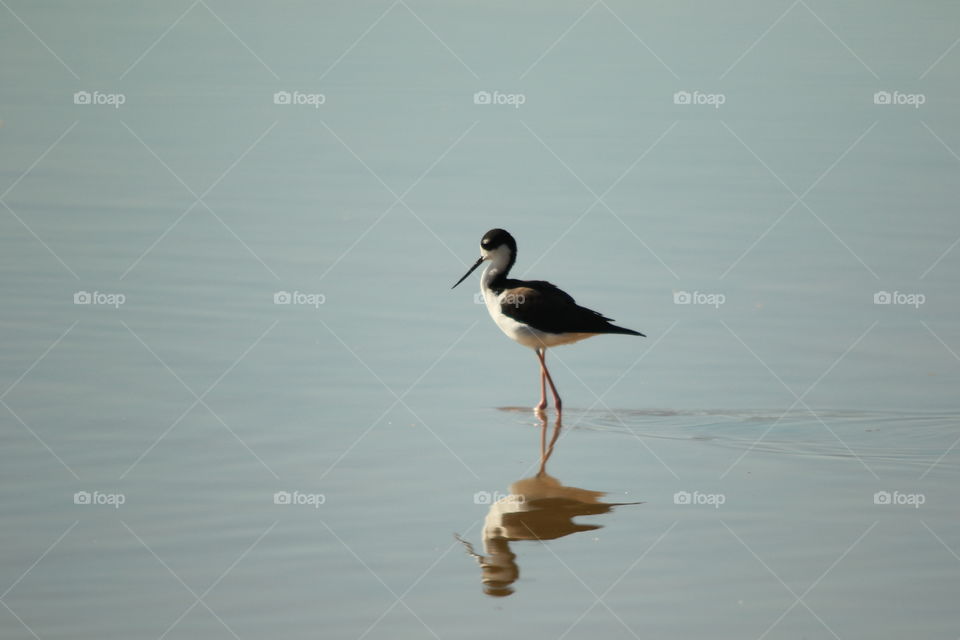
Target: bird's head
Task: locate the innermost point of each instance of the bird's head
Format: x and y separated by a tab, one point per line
497	246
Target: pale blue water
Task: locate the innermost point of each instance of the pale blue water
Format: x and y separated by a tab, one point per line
198	398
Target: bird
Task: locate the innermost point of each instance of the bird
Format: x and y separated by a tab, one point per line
534	313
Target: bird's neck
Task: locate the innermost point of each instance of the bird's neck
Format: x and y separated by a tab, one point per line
497	270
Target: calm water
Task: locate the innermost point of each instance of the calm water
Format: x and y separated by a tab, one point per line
186	456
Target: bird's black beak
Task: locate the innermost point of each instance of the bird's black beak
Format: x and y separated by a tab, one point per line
472	269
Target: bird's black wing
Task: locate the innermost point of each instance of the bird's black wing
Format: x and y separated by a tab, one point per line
546	307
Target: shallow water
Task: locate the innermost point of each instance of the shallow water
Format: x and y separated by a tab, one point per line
200	461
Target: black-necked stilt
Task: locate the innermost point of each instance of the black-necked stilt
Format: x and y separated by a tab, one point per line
535	313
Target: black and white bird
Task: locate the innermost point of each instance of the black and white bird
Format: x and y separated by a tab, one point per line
534	313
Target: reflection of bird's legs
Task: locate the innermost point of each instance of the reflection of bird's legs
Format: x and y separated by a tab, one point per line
543	443
544	372
547	450
543	385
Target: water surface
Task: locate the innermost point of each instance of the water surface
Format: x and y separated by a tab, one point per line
207	459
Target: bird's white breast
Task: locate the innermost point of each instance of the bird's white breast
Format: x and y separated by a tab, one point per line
521	333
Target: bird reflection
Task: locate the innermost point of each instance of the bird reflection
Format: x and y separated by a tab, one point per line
537	508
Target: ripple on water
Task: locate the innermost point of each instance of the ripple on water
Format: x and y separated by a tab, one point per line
919	439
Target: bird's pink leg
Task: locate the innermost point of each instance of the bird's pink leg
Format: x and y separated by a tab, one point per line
541	353
543	386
